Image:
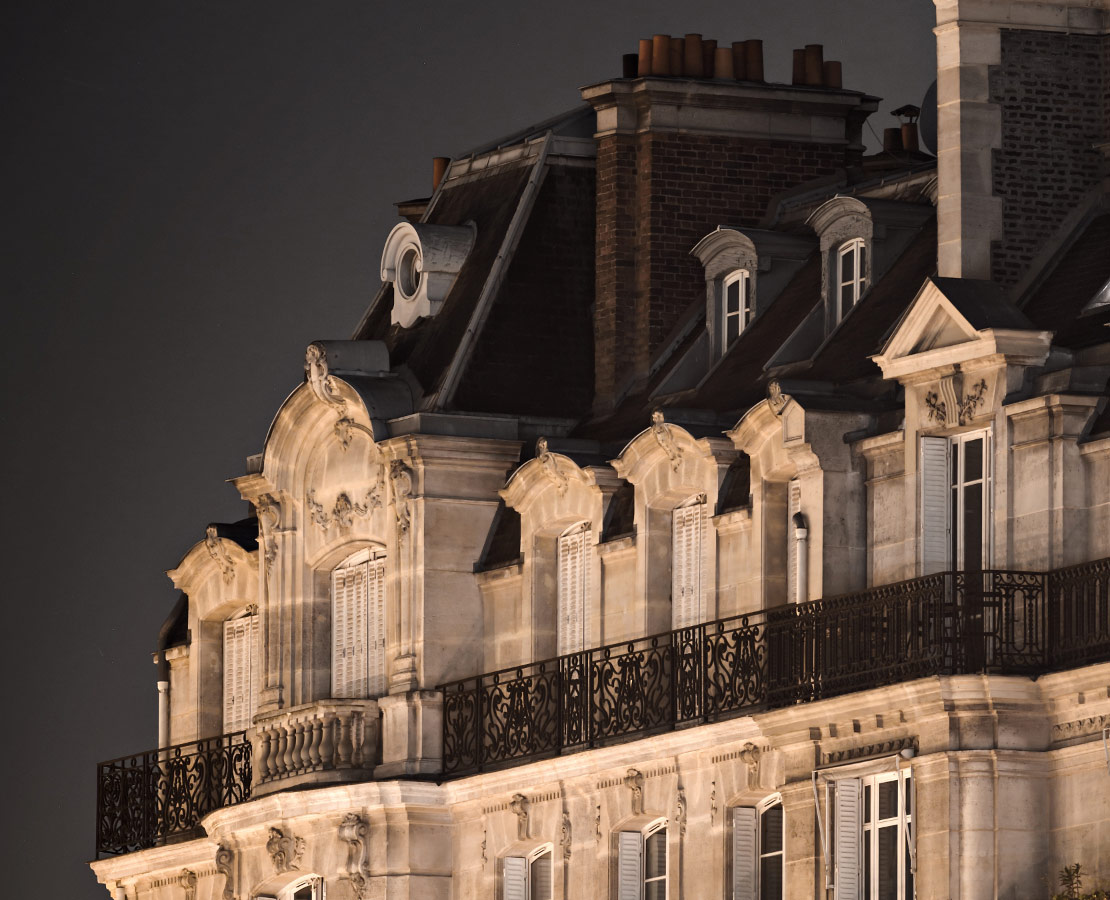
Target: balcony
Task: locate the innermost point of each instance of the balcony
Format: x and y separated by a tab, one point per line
951	623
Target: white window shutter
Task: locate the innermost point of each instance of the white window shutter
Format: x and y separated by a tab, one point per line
935	501
254	640
687	527
744	853
349	631
572	591
240	641
793	506
514	878
848	838
375	614
630	865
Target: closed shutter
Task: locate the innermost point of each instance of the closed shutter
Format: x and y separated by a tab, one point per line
630	875
375	613
744	853
240	641
541	877
935	505
572	600
847	825
687	525
793	505
514	879
349	635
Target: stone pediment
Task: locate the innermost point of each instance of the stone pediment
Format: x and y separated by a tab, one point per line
956	320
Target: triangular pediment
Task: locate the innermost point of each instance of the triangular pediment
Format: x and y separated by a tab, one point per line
942	330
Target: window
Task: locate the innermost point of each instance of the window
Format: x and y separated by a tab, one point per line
793	559
358	625
240	653
851	276
871	835
573	588
527	877
642	863
687	530
736	306
955	502
757	851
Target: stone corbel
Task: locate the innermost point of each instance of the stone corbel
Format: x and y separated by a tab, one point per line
400	476
354	831
187	881
634	781
680	811
225	862
776	399
565	837
551	467
951	405
520	806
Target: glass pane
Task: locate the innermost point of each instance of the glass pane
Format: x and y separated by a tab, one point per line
846	299
955	463
866	865
908	793
847	266
732	297
770	830
888	863
770	878
973	527
541	878
655	890
862	266
888	799
973	460
655	857
732	329
304	893
907	894
867	803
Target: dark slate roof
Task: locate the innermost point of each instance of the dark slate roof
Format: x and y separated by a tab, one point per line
736	491
983	303
1057	305
244	532
503	542
620	517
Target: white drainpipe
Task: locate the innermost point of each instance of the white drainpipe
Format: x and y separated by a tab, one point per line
801	559
163	714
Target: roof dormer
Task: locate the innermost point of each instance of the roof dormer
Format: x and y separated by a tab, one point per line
423	261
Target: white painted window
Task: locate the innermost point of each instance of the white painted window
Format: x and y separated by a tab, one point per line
527	877
240	672
736	306
757	851
572	602
358	626
310	888
687	562
955	487
642	863
851	275
870	827
793	507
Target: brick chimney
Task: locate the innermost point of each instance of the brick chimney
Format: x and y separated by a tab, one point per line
676	157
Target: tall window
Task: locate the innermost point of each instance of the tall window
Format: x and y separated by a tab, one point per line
736	306
527	877
642	863
240	690
757	851
851	276
955	502
793	507
358	626
872	836
573	588
687	538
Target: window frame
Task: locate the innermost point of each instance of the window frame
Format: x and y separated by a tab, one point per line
743	313
859	280
577	538
249	616
755	889
654	829
529	861
942	505
697	509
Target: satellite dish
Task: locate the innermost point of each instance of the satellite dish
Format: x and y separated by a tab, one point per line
927	123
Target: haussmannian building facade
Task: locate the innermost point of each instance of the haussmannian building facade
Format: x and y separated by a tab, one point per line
701	508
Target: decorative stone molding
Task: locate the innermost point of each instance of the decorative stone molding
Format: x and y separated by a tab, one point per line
661	431
285	850
319	737
219	554
520	805
749	756
776	398
343	512
946	406
864	751
354	831
422	261
565	837
634	781
551	467
680	811
485	842
597	824
400	475
225	861
1063	731
713	801
187	881
323	385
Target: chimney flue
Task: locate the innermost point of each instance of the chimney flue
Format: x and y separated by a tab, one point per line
909	137
892	140
755	60
740	60
692	56
708	55
814	64
798	72
644	65
834	77
722	63
661	54
677	50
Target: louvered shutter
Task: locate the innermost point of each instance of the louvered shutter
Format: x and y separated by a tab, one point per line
572	591
254	641
744	853
514	879
375	613
687	525
630	867
793	506
240	639
935	501
541	878
848	824
349	634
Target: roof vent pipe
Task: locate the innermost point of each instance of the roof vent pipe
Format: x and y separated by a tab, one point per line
439	169
644	66
661	54
630	65
815	64
754	60
692	58
740	60
892	140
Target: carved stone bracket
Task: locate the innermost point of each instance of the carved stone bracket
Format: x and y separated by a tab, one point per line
680	811
400	475
947	407
225	860
972	401
354	831
551	467
520	805
713	802
634	781
218	552
565	836
187	880
323	385
269	521
665	439
285	850
749	756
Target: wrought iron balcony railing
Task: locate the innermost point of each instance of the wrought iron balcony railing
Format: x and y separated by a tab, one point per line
160	796
950	623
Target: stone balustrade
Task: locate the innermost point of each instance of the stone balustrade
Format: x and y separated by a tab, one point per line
322	741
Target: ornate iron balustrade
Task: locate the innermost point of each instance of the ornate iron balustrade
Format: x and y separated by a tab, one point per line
1006	622
154	797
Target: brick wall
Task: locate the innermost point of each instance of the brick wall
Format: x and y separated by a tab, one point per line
1052	89
657	196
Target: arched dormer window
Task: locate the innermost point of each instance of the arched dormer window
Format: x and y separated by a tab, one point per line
527	877
358	625
731	262
736	309
240	660
573	550
687	540
851	278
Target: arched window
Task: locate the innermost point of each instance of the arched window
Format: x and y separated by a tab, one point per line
851	275
527	877
687	538
240	655
358	625
736	306
572	601
757	851
642	863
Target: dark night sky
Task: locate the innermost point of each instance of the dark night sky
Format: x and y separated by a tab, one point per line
192	192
